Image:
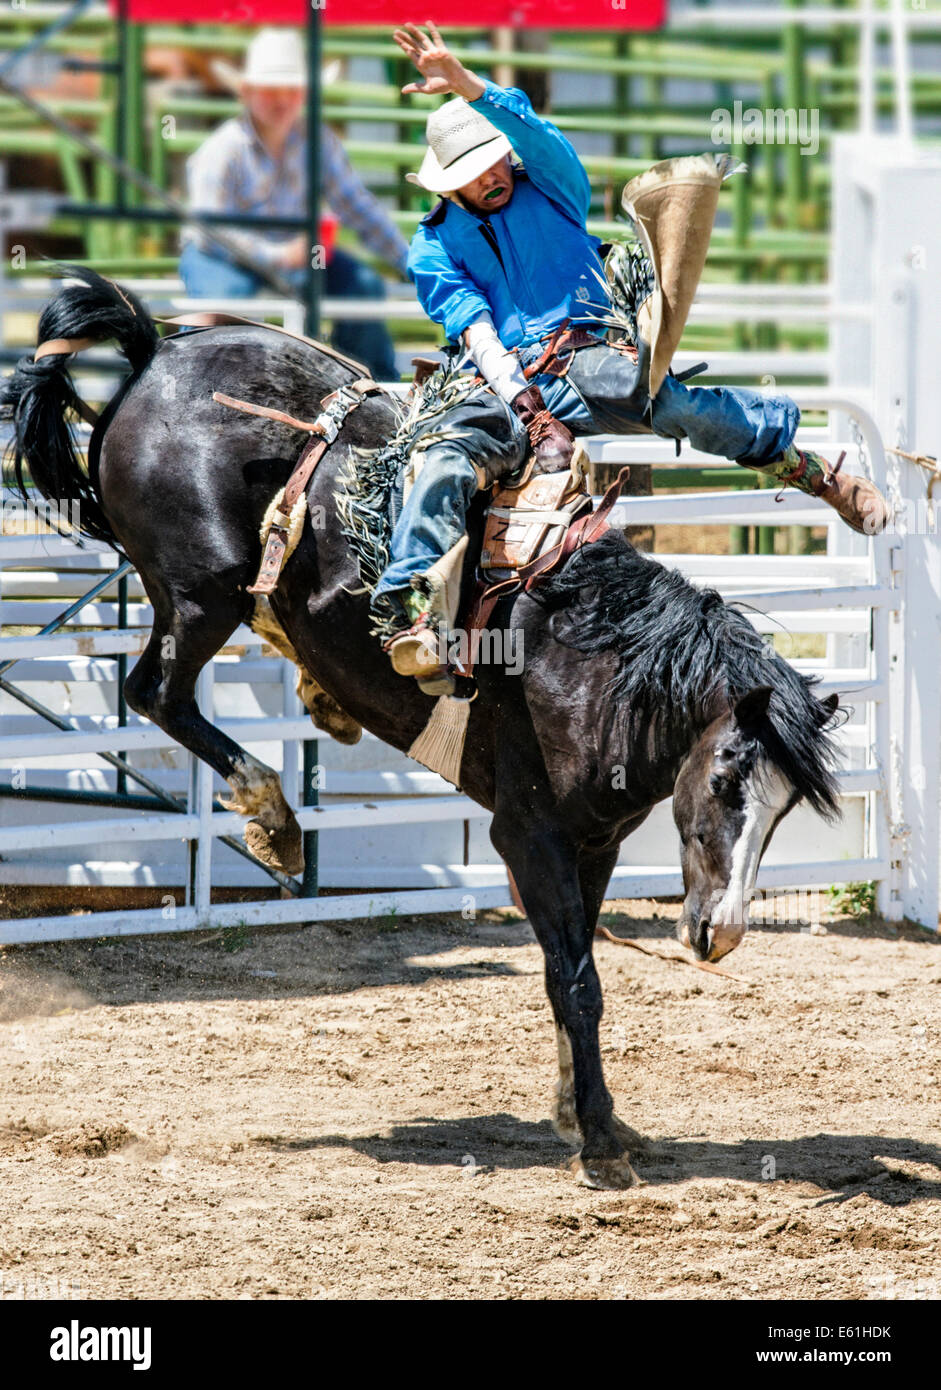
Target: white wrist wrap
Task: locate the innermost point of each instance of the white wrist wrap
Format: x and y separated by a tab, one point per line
499	367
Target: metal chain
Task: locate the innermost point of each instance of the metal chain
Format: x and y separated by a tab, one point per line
860	442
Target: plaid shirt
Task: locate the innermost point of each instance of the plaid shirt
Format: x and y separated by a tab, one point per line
232	171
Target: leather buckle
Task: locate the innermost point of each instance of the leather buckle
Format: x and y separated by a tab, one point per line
338	405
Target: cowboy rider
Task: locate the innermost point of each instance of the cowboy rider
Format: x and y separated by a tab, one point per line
501	263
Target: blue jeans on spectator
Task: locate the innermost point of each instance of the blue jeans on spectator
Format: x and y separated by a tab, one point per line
208	276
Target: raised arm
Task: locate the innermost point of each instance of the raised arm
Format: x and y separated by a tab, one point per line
549	158
551	161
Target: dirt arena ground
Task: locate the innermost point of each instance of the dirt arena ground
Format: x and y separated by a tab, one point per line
359	1111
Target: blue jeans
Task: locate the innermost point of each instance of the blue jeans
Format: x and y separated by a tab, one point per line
206	276
602	393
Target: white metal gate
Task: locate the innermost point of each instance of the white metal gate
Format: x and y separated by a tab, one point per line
879	605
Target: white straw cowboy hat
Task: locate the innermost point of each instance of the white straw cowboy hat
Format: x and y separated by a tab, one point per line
274	58
462	146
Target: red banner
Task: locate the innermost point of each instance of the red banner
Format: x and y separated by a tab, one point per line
519	14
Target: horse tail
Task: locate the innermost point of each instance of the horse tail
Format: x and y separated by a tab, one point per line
39	396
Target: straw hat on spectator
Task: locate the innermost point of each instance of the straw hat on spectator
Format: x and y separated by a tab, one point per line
274	58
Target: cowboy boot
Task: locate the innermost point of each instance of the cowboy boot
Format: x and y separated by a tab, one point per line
552	442
413	650
858	501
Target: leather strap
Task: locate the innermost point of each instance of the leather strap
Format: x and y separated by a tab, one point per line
365	386
536	367
424	368
64	347
688	372
269	570
83	409
479	616
323	431
53	347
308	461
796	474
266	411
581	532
276	541
550	362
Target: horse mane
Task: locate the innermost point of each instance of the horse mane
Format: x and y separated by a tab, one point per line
684	656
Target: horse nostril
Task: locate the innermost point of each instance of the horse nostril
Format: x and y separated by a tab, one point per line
700	938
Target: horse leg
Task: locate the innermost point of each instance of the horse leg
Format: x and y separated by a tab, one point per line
545	865
594	875
322	708
594	871
162	686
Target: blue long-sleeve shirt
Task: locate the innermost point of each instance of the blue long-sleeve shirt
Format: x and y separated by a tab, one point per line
547	267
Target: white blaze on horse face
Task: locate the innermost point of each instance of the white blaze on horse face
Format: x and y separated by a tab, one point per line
767	794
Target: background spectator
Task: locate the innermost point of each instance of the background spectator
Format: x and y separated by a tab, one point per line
256	164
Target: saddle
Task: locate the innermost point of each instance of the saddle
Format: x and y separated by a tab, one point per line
531	529
530	518
535	540
533	523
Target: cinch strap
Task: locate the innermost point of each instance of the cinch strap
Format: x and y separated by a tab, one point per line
323	431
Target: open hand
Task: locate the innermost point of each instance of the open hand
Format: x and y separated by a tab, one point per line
441	71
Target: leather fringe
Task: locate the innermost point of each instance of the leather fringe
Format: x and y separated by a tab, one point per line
440	745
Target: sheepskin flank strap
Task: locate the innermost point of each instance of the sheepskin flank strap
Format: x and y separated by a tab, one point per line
276	543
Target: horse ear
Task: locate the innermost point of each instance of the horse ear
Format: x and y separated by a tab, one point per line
751	708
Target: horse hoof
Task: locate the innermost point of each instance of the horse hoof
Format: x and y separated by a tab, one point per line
613	1174
280	848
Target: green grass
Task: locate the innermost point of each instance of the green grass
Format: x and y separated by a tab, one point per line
853	899
235	938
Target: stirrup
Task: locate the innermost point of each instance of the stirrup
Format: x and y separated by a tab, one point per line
408	649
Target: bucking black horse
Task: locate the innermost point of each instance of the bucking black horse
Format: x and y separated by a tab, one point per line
635	685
